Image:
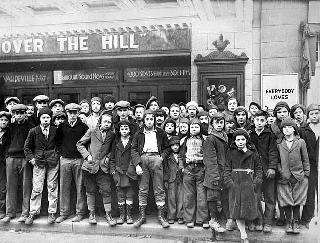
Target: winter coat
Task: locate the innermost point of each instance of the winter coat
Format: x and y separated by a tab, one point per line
93	144
120	156
171	170
275	128
242	185
266	145
4	143
214	158
312	144
43	150
293	161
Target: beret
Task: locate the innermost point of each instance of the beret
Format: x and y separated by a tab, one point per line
192	103
6	114
174	140
72	107
312	107
122	104
279	105
45	110
16	99
109	98
19	107
59	114
98	99
195	121
40	98
53	102
152	98
288	122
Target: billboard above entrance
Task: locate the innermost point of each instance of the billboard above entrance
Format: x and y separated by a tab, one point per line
99	43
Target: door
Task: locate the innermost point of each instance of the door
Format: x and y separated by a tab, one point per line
104	91
69	95
169	94
138	94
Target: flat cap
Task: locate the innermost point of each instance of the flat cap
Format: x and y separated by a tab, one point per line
72	107
19	107
174	140
53	102
122	104
16	99
98	99
109	98
6	114
45	110
40	98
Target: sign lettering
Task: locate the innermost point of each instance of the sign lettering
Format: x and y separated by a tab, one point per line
26	78
133	74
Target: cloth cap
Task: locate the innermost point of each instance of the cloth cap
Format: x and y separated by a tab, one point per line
279	105
124	122
122	104
84	101
40	98
174	140
19	107
59	114
160	112
16	99
6	114
202	113
192	103
312	107
98	99
72	107
152	98
53	102
45	110
218	116
255	104
195	121
288	122
184	120
239	132
109	98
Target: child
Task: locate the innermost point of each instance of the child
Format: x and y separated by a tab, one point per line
40	102
241	118
119	163
85	107
297	113
294	172
153	103
194	192
96	171
56	105
139	114
232	105
265	142
160	116
109	102
192	109
174	180
30	110
150	147
213	109
214	151
170	128
253	108
204	119
242	176
92	120
271	119
10	102
40	149
310	133
58	118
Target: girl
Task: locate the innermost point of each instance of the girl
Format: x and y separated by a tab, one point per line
294	170
232	105
242	176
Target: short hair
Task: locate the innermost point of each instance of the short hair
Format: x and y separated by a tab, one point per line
261	113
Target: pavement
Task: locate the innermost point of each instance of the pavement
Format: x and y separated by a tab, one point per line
152	229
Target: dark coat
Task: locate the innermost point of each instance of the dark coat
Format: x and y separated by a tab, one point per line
43	150
275	128
242	185
4	143
214	158
120	156
311	142
171	170
93	144
266	145
294	161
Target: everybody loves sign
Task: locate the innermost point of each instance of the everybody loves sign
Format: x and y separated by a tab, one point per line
96	43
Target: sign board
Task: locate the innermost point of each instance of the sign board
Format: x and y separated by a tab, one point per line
135	74
279	87
27	78
69	76
95	43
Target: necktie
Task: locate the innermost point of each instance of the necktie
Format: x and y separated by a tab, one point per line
45	131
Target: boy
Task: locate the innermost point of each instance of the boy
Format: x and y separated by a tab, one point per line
68	134
41	151
139	114
56	105
123	110
150	147
203	116
153	104
183	128
265	142
214	151
160	116
109	102
92	120
232	105
95	148
169	127
241	118
85	107
174	180
58	118
192	109
174	113
30	110
194	192
10	102
17	168
40	102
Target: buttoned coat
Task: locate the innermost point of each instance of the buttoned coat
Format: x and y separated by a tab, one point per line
93	144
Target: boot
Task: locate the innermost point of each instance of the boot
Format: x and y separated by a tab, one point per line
289	229
161	218
110	220
142	219
92	217
122	217
129	216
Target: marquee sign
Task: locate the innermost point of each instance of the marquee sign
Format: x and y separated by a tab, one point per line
134	74
26	78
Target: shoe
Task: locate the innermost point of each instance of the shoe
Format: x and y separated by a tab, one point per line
29	220
77	218
259	227
122	217
289	229
22	218
206	225
190	225
214	224
6	219
61	219
51	218
267	228
129	216
110	220
2	215
92	218
230	225
245	240
304	224
295	227
180	221
142	219
171	221
280	222
252	227
161	218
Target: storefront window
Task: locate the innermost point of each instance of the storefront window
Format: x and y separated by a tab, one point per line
69	98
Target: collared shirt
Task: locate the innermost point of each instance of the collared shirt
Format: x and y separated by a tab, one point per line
150	142
194	149
45	131
72	123
176	157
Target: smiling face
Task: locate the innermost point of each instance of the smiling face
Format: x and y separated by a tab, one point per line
57	107
19	115
10	105
3	122
106	122
253	109
159	120
154	105
123	113
175	148
30	110
109	106
72	115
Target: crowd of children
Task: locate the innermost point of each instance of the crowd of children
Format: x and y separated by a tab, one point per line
208	167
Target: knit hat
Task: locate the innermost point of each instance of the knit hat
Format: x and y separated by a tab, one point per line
7	100
312	107
280	105
45	110
152	98
109	98
240	132
294	107
184	120
288	122
83	101
174	140
229	118
255	104
202	113
53	102
98	99
192	103
195	121
6	114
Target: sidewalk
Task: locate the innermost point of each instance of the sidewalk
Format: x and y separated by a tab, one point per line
154	230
